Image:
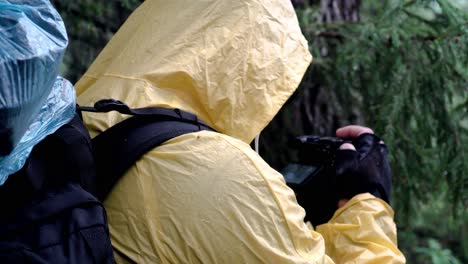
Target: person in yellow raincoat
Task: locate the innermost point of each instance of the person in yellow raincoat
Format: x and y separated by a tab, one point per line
207	197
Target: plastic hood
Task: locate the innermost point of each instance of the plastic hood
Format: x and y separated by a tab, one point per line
34	101
32	43
233	63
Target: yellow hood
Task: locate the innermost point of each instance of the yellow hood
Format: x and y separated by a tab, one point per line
232	63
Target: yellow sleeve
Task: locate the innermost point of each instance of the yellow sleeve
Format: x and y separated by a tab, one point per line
363	231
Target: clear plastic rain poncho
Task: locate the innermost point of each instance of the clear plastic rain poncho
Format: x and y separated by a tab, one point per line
34	101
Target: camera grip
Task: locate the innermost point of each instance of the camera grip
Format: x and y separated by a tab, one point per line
364	170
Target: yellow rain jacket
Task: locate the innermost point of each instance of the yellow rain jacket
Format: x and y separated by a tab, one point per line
207	197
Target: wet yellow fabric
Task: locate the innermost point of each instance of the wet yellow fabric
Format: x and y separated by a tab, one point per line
207	197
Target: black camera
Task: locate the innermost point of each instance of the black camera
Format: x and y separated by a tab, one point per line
313	176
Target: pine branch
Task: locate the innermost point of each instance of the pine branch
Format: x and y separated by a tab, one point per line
341	37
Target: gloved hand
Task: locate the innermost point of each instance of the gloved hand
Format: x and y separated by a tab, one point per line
362	166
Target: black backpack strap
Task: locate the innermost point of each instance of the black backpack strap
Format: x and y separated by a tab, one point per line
107	105
80	163
120	146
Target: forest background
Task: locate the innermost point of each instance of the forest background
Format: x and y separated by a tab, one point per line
398	66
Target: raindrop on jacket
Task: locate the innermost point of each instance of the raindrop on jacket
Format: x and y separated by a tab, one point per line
207	197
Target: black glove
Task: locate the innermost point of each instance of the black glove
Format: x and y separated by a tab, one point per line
364	170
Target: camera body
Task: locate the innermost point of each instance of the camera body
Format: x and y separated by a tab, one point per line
313	176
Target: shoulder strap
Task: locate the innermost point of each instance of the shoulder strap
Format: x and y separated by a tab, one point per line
120	146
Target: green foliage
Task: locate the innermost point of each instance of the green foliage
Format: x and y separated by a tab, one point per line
90	25
433	221
437	254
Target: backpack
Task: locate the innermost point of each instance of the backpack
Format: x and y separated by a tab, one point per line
54	212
